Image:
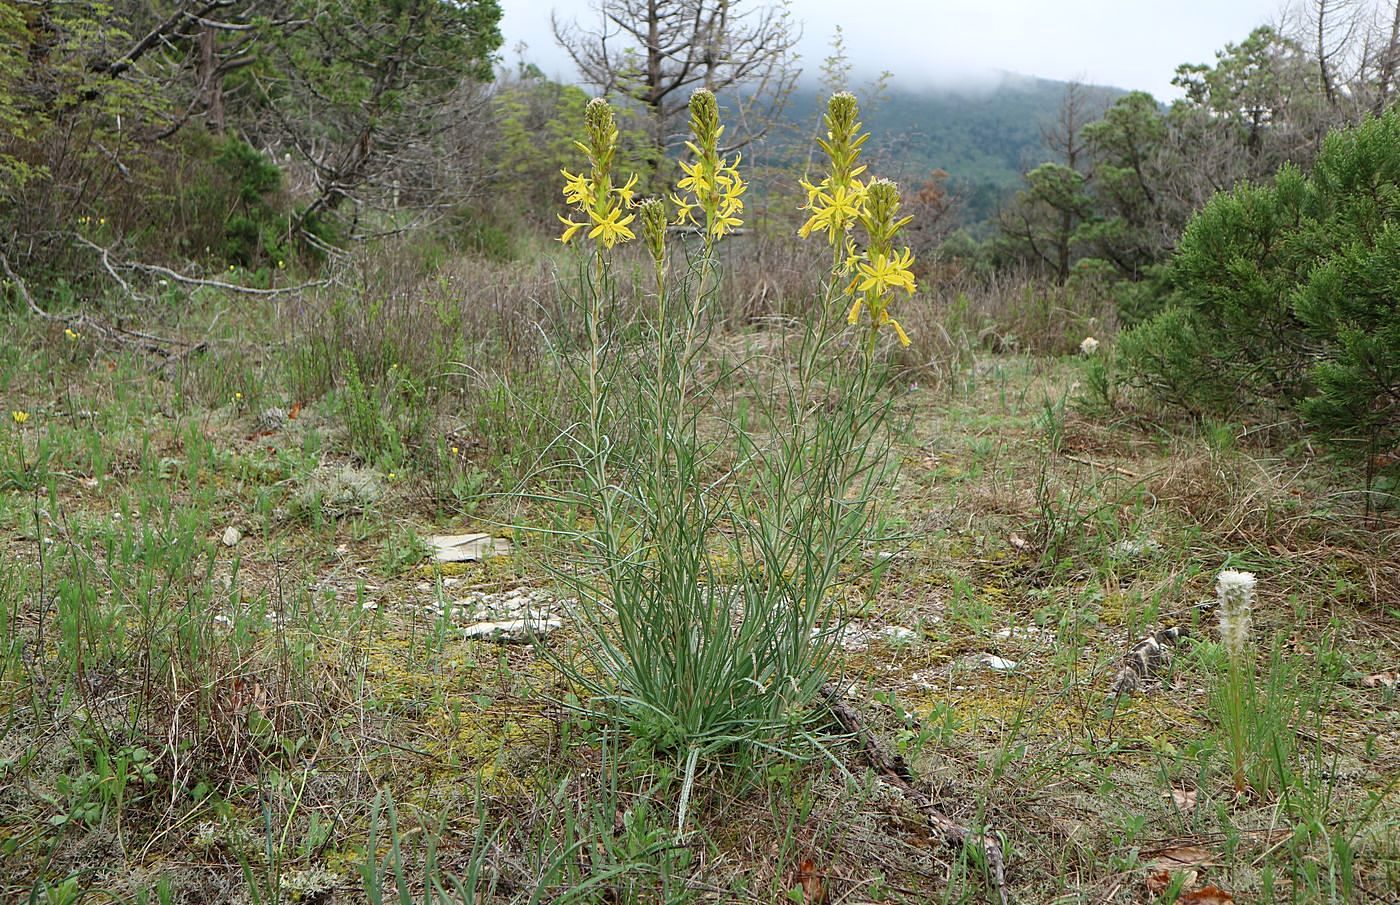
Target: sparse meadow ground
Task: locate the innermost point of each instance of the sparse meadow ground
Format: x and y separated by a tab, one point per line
188	721
231	670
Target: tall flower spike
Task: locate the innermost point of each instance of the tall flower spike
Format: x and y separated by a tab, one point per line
835	202
711	184
653	212
1235	591
881	270
593	195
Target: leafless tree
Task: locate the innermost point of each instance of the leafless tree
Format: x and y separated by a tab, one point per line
657	51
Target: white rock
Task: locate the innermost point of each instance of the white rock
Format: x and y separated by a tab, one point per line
1000	664
515	631
467	547
231	536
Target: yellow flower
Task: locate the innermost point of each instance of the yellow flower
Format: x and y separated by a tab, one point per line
612	227
577	189
695	181
887	272
725	221
281	265
885	318
71	334
685	210
455	450
833	212
237	396
19	417
570	227
626	192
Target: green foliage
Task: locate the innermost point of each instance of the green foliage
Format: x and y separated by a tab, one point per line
535	121
388	421
1284	296
243	184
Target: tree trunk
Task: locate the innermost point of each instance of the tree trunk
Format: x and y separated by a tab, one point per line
210	81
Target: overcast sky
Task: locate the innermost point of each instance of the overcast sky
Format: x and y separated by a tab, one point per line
1134	44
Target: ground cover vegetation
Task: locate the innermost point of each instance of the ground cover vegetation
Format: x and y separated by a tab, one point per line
780	534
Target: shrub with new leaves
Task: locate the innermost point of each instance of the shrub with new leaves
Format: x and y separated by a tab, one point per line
1285	297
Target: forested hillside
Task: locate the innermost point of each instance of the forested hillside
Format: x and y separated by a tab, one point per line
984	135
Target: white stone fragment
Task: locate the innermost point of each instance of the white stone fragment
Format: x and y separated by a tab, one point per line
467	547
515	631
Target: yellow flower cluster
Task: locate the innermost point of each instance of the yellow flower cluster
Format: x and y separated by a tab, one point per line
711	184
835	203
593	196
880	269
840	202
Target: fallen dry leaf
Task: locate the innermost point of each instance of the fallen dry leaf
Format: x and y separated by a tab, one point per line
1180	856
1380	679
1184	799
1020	543
294	411
813	890
1158	882
1207	895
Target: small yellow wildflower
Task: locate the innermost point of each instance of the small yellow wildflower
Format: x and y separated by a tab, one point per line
19	417
570	227
71	334
592	195
695	181
834	211
628	191
711	183
577	189
685	211
455	450
281	265
612	227
887	272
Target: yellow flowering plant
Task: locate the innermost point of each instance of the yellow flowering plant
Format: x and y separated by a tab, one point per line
836	201
880	270
668	485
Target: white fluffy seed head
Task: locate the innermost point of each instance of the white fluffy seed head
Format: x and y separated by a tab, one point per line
1235	591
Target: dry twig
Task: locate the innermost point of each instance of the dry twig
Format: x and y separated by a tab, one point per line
893	771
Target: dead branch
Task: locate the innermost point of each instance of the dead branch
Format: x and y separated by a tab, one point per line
1101	465
184	279
171	350
892	770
